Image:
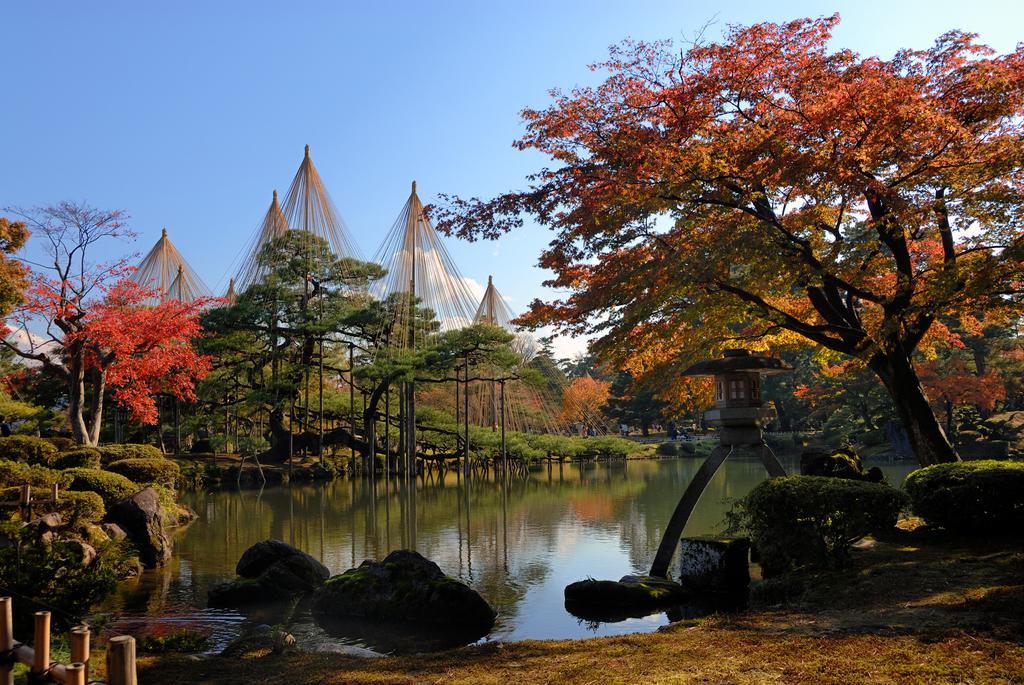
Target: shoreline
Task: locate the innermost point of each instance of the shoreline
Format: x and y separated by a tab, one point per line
916	606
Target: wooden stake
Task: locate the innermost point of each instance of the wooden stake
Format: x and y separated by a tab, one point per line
121	661
54	492
25	502
6	640
41	645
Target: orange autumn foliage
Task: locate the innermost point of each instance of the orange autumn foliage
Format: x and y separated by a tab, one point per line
767	190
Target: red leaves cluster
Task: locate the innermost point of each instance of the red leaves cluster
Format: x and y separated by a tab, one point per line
144	350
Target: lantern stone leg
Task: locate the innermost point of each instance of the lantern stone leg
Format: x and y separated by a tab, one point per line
674	530
740	415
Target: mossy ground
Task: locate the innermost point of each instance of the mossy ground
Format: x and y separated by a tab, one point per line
916	607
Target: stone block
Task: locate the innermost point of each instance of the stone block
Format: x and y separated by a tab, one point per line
717	565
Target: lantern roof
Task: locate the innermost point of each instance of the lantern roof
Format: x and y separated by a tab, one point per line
734	360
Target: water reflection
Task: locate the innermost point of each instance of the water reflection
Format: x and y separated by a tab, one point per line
518	542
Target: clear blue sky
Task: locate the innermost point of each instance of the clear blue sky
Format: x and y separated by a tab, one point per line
188	114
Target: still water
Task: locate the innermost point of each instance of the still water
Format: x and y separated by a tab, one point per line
518	544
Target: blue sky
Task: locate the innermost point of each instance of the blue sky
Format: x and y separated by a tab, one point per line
188	114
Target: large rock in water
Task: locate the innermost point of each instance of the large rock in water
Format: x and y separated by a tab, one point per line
270	570
405	588
606	600
141	518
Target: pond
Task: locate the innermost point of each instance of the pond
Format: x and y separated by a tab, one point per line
518	545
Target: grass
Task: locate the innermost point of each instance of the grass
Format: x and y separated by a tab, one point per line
915	607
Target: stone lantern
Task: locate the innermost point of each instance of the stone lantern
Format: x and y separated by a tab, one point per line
741	416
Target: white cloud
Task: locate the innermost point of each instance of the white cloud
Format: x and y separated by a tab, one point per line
30	342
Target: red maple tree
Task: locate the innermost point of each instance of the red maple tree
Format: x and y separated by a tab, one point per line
85	324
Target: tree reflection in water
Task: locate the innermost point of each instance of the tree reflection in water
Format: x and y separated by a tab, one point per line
518	542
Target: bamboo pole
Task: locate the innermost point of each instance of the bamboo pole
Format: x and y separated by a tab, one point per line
41	644
6	640
121	661
74	674
80	649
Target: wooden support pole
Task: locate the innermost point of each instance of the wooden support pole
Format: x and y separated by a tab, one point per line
504	446
80	649
121	661
41	644
25	502
352	397
465	417
6	640
54	493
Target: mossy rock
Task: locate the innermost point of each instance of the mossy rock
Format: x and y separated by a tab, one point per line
269	570
631	592
404	588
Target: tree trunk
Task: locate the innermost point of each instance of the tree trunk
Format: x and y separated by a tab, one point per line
76	401
924	431
99	385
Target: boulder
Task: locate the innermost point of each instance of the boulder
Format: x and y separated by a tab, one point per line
629	596
839	463
404	588
114	531
714	565
86	552
44	524
270	570
141	518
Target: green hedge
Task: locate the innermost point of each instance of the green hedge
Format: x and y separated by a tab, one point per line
79	507
28	449
970	496
111	453
112	487
85	457
147	470
811	521
15	474
61	443
668	449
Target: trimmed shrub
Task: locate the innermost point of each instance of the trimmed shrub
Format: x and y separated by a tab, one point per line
61	443
85	457
27	449
609	447
811	521
972	496
79	507
147	471
112	487
15	474
668	449
687	449
111	453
